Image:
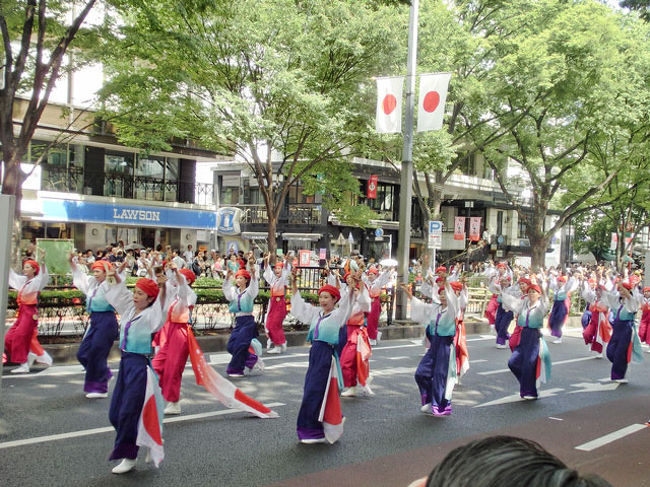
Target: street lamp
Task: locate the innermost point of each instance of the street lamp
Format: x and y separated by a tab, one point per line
468	205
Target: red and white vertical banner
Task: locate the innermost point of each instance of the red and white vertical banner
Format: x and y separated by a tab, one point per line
389	105
304	258
433	95
459	228
371	194
475	228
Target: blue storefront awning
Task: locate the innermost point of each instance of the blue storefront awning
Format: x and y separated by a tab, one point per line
118	214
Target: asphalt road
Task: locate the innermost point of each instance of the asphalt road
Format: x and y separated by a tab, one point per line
51	435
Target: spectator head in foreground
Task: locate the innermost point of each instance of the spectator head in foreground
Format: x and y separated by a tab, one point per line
505	461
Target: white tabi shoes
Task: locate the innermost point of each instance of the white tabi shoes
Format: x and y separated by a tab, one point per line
21	369
274	350
313	441
349	392
126	465
173	408
97	395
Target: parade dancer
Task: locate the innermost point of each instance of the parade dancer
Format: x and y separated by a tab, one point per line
495	275
590	284
242	300
355	355
276	277
530	360
503	317
324	321
19	337
598	331
140	316
624	344
561	304
644	326
169	362
375	282
523	283
102	329
460	338
436	374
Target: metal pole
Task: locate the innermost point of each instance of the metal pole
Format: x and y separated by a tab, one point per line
406	174
6	221
467	226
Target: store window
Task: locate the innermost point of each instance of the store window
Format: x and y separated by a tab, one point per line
118	168
171	179
61	165
150	179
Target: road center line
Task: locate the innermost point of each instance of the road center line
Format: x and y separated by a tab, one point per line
109	429
611	437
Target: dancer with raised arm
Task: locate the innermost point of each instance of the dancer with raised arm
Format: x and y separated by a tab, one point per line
102	329
21	333
242	296
140	316
277	278
169	362
531	349
316	423
436	374
562	289
624	344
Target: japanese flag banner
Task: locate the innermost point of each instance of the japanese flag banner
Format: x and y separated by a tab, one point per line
431	106
389	105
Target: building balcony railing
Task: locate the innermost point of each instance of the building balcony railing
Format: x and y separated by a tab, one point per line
71	179
62	179
292	214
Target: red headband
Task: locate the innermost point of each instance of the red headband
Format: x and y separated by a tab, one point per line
190	277
646	289
561	279
442	268
99	264
331	290
456	285
243	273
33	264
372	270
535	287
148	286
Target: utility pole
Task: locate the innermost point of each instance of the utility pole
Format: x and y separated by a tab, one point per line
406	174
468	205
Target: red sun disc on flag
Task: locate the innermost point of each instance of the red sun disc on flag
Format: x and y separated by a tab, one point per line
389	103
431	101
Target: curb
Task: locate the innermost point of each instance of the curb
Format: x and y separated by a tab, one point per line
67	353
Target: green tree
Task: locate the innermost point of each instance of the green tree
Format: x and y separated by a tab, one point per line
35	40
555	69
279	84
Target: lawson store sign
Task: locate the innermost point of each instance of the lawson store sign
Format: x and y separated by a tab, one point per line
158	216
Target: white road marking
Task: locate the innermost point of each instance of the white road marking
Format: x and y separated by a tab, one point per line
482	338
611	437
594	387
517	398
561	362
555	419
96	431
402	357
287	365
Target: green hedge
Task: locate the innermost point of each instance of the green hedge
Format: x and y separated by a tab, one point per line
74	297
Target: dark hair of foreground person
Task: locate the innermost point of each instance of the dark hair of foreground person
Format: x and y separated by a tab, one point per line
506	461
